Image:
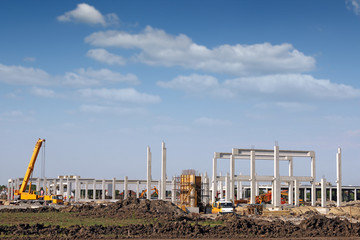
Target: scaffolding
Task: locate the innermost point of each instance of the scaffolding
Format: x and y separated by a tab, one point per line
188	189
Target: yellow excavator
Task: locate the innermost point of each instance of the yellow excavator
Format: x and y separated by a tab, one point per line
143	192
32	196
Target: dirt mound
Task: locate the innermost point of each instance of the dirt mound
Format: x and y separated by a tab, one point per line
131	208
245	227
29	210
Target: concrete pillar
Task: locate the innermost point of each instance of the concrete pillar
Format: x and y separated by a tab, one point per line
214	182
290	184
103	190
227	187
313	187
297	192
173	190
17	184
86	190
45	186
126	189
77	189
148	177
323	192
54	187
252	177
355	194
38	184
113	189
159	186
305	195
137	189
257	188
276	194
163	172
232	173
338	178
206	188
61	186
220	187
239	190
68	193
94	190
9	193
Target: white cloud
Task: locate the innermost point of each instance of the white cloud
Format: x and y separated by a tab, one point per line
353	5
42	92
16	115
197	85
192	82
288	106
353	133
88	14
211	122
104	56
283	86
295	106
19	75
294	85
123	95
98	109
90	77
159	48
29	59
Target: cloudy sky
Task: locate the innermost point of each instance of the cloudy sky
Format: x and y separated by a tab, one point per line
101	81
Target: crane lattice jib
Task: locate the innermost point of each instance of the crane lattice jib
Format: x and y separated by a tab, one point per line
30	168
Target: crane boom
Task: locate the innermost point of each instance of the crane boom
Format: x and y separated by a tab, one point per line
30	168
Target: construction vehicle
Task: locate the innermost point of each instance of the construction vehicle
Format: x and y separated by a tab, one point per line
32	196
222	207
266	197
154	189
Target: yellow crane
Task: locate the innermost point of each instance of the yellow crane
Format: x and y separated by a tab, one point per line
35	196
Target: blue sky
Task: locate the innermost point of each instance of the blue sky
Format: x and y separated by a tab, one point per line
101	81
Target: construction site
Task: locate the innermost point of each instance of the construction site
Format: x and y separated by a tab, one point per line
190	205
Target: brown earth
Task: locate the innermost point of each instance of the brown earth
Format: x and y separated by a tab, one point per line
173	223
131	207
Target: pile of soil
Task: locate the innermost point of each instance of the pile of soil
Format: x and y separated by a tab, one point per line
244	227
29	210
131	208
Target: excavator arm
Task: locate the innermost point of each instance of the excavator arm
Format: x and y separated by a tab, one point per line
30	168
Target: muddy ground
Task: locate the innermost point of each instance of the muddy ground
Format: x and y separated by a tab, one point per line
167	221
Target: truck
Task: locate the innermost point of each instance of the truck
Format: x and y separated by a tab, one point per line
33	196
222	207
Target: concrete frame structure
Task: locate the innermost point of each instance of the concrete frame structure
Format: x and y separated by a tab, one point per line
77	185
261	154
56	186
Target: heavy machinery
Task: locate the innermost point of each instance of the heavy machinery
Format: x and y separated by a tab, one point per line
32	196
266	197
222	207
154	189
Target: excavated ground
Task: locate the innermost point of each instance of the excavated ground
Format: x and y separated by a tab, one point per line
168	221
